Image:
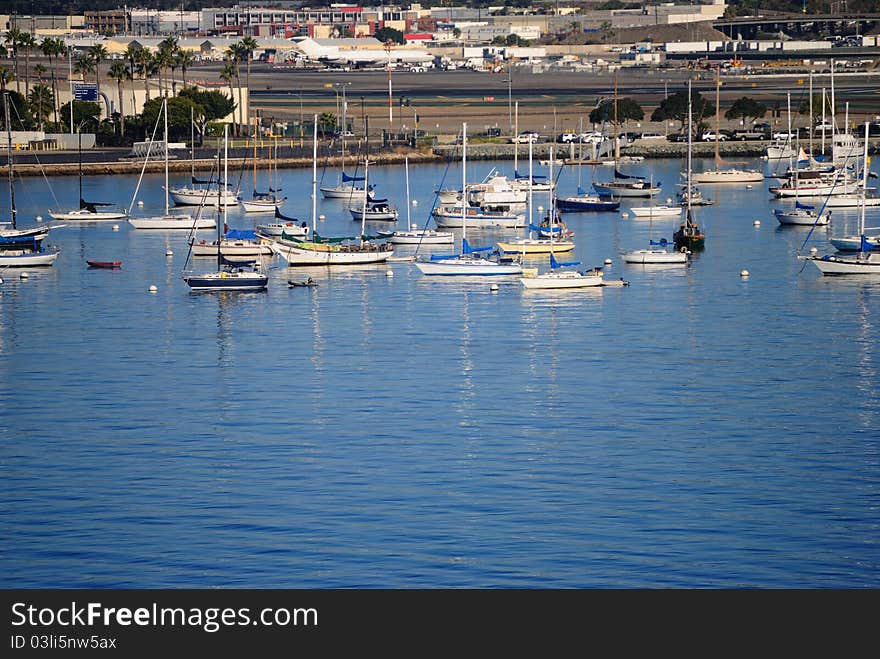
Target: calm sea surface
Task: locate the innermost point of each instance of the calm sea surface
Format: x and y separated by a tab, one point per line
695	429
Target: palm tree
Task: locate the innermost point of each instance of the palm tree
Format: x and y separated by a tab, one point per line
27	42
84	65
12	41
39	72
233	57
98	53
165	59
185	60
52	48
41	102
147	67
228	74
119	72
247	46
6	76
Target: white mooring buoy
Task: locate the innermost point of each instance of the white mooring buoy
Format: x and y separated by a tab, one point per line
116	227
39	218
24	275
140	202
744	273
415	202
389	273
152	288
624	215
169	253
813	250
757	223
321	218
493	287
607	261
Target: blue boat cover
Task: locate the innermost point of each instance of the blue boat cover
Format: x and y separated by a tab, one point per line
517	175
617	174
866	246
662	241
556	264
346	178
241	234
803	206
467	249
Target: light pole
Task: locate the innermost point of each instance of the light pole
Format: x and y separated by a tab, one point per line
300	117
509	99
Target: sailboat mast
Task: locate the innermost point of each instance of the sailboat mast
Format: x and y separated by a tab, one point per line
364	204
165	119
552	217
516	136
222	230
315	176
823	121
9	157
255	155
530	185
464	202
864	186
690	142
80	154
616	136
408	203
812	122
192	144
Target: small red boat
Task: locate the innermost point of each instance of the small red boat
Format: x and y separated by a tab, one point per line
104	264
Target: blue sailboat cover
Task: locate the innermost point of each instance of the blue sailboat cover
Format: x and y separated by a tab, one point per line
556	264
346	178
803	207
241	234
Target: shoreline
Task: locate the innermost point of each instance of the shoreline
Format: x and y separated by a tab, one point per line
70	165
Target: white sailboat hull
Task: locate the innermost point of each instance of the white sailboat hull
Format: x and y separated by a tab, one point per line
343	191
262	205
230	248
83	215
465	265
801	217
861	264
851	201
644	256
854	243
452	219
656	211
824	190
565	279
275	229
536	246
625	190
15	258
729	176
227	281
177	222
202	197
428	237
297	254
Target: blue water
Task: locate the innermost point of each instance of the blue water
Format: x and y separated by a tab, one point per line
695	429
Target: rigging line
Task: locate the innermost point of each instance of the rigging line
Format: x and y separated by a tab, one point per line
37	158
434	203
837	174
191	238
146	160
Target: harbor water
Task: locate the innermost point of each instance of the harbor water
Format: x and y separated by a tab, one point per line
384	429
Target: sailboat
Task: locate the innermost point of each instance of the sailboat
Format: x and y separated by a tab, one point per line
374	210
689	236
229	276
624	185
556	241
657	251
218	195
166	221
264	202
346	187
416	236
319	250
21	247
560	277
88	210
583	202
469	261
283	224
866	261
801	214
732	174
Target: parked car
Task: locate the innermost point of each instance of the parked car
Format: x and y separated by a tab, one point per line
677	137
709	136
652	136
565	138
525	137
784	135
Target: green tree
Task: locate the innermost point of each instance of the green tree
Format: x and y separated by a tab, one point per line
86	113
119	72
675	107
97	53
228	74
179	112
246	48
627	109
52	48
386	34
327	123
214	103
40	103
746	108
12	40
19	113
184	60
